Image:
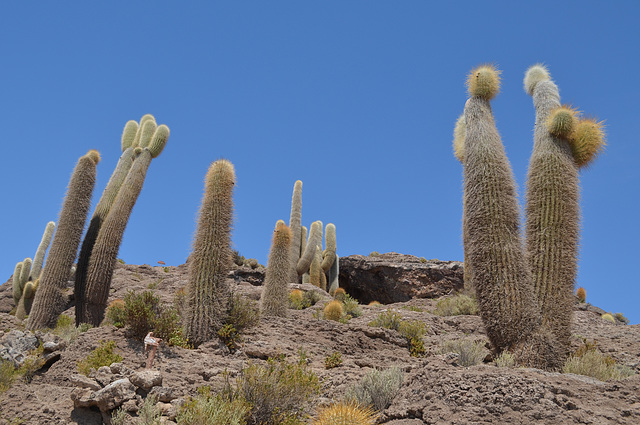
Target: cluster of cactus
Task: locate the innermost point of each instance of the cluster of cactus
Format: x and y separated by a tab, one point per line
140	143
210	261
525	291
307	258
27	274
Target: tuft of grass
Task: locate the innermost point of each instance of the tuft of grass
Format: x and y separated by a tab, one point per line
149	413
620	317
596	365
66	328
333	360
377	388
505	359
209	409
470	352
7	375
388	319
345	413
457	305
103	355
413	330
351	306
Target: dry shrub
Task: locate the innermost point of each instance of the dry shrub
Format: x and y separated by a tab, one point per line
377	388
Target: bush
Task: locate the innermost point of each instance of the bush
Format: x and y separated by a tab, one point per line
505	359
470	352
103	355
345	413
7	375
333	360
413	331
141	310
351	306
243	313
377	388
278	392
208	409
596	365
388	319
116	313
457	305
31	364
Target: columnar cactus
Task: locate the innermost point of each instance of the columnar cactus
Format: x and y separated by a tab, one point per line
295	225
316	275
49	300
275	296
211	256
330	246
491	225
552	206
26	300
130	133
105	251
332	276
18	285
315	240
38	260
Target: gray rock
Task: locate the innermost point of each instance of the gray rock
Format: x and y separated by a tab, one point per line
103	375
16	345
114	394
51	346
164	394
146	379
120	369
82	381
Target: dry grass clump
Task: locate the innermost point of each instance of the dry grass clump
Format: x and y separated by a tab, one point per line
457	305
469	352
377	388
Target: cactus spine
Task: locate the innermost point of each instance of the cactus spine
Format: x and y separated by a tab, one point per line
49	301
38	259
275	298
211	256
130	135
295	225
553	211
494	248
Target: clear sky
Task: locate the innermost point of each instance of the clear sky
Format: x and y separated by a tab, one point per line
355	98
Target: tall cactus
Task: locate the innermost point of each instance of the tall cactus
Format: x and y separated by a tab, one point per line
105	251
18	285
49	300
295	225
332	276
315	240
316	275
275	298
129	134
211	256
38	259
552	206
494	248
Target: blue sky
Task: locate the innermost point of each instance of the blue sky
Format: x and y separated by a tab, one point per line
357	99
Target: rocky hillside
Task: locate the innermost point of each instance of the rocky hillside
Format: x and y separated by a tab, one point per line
436	388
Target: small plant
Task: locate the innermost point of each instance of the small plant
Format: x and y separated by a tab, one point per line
333	310
505	359
374	303
209	409
296	298
141	310
469	352
414	308
243	313
7	375
149	413
229	336
608	317
103	355
374	254
31	364
351	306
581	294
121	261
119	417
388	319
595	364
339	294
166	269
413	331
154	285
457	305
116	313
620	318
345	413
66	328
377	388
333	360
423	260
278	392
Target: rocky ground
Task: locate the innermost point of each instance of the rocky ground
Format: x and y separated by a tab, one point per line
436	389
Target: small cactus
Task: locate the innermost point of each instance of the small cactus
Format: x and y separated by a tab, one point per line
608	317
484	82
587	141
562	121
18	285
333	310
274	299
211	256
581	294
534	75
339	294
329	253
333	274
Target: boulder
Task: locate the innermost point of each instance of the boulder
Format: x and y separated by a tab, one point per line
391	277
146	379
16	345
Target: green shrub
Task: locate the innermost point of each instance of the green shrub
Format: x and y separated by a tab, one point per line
229	336
351	306
141	309
243	313
595	364
413	331
505	359
333	360
457	305
31	364
388	319
470	352
208	409
278	392
103	355
377	388
7	375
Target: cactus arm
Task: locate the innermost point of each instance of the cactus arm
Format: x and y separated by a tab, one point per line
295	225
38	259
329	254
332	275
18	287
315	240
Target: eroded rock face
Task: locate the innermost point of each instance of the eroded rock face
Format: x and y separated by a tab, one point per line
391	277
16	345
